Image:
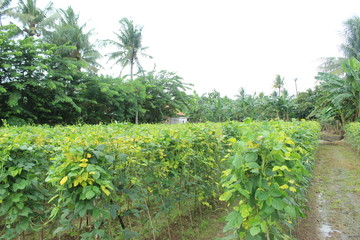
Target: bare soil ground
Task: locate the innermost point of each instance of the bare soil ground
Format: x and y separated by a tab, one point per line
334	196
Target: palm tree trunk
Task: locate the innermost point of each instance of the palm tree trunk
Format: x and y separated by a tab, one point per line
131	70
137	116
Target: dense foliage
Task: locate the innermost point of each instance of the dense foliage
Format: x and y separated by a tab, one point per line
352	134
339	82
341	94
53	78
269	171
122	180
40	83
95	176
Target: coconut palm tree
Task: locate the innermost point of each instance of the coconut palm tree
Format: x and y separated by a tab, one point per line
4	8
350	48
129	45
68	31
332	65
278	83
34	19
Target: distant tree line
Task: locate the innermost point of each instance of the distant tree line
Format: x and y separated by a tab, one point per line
49	75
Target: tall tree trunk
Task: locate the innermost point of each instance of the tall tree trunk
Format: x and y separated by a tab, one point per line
343	120
137	116
131	70
357	110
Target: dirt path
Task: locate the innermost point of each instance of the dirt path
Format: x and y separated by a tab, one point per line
334	197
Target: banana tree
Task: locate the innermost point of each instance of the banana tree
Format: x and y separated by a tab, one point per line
342	93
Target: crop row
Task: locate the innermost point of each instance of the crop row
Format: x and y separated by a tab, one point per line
116	181
101	180
352	132
269	171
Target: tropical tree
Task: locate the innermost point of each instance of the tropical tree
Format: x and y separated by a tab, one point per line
165	95
211	107
341	95
33	19
68	32
305	103
4	8
351	47
245	106
282	105
32	87
129	46
278	83
332	65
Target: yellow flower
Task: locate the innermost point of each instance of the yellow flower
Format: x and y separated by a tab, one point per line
292	189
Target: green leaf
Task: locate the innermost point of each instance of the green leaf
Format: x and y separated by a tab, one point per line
237	162
234	220
254	221
95	213
2	89
250	157
96	175
290	211
261	195
16	198
277	155
254	231
20	205
14	98
245	210
25	212
15	172
243	192
54	212
20	185
277	204
22	226
226	195
96	190
90	194
253	165
263	226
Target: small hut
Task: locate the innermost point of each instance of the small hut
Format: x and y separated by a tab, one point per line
180	118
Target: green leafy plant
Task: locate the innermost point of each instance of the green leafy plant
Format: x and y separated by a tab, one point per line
268	168
352	134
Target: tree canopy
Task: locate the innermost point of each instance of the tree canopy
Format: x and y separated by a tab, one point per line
49	75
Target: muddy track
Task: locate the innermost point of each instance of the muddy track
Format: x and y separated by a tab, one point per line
334	196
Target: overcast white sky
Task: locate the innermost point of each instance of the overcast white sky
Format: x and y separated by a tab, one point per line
227	44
